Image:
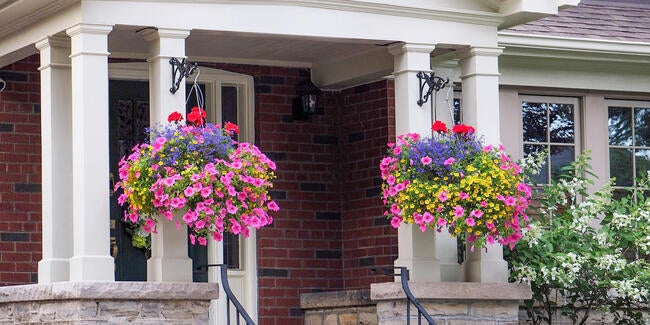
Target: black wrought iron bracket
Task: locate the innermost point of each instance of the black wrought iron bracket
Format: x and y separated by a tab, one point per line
3	84
404	277
180	70
433	82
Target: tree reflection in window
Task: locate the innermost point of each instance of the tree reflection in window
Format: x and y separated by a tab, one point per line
550	127
629	143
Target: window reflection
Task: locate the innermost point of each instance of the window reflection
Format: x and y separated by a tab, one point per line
534	122
642	126
561	125
629	143
550	126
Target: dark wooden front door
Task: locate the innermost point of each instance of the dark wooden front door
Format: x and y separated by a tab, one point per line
129	118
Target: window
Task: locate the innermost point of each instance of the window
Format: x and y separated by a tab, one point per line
550	124
629	141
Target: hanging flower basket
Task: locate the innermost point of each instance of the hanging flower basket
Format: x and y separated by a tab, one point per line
197	176
450	180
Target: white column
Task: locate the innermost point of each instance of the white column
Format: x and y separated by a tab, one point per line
169	260
480	102
90	186
56	161
416	250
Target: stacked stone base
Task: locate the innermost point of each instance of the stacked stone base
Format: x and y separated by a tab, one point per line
449	303
352	307
107	303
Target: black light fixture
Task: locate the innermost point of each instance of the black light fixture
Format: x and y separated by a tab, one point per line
307	104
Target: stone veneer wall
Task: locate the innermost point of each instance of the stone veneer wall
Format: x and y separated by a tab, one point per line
352	307
107	303
465	303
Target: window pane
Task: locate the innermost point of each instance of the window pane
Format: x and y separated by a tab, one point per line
534	121
620	126
457	118
642	127
231	250
560	156
620	166
642	162
229	104
562	124
542	177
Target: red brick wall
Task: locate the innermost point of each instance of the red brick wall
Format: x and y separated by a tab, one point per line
301	252
369	242
20	173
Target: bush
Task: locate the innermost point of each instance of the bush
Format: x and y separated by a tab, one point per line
585	251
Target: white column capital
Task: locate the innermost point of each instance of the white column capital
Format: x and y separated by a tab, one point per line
54	52
165	43
400	48
411	58
53	41
152	34
479	51
89	29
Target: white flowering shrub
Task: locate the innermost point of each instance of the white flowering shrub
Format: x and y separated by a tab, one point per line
585	252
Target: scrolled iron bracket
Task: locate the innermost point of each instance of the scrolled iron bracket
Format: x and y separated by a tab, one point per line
433	82
3	84
180	69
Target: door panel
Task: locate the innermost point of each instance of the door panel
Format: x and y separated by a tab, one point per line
128	119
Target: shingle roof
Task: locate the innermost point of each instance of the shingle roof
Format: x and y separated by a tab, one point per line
623	20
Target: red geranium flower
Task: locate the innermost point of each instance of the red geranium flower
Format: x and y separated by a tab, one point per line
231	127
175	117
439	127
462	129
197	116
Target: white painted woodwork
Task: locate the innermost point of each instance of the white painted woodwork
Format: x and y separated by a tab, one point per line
90	181
416	249
56	164
169	261
480	102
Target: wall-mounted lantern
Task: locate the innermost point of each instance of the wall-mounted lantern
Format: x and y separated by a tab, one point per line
307	104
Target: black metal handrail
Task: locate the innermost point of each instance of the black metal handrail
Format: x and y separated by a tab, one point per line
230	296
404	277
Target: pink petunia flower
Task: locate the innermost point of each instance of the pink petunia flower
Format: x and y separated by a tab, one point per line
443	196
476	214
395	222
426	160
470	221
463	196
459	211
449	161
442	222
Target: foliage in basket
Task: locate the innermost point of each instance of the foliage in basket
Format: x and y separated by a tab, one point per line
450	180
198	176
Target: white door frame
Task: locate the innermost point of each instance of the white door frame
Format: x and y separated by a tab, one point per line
243	281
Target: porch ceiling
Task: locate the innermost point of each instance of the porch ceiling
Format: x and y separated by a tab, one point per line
125	42
335	63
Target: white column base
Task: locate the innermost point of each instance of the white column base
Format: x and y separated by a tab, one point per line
485	267
417	253
53	270
92	268
169	261
447	253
